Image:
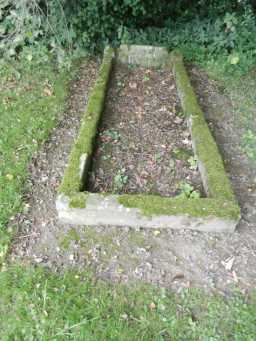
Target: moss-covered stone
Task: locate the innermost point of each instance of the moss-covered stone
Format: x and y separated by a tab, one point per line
221	202
78	200
205	148
72	180
150	205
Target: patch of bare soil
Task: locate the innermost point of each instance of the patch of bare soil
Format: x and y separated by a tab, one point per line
144	144
174	259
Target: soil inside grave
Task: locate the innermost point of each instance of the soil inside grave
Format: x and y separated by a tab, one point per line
143	143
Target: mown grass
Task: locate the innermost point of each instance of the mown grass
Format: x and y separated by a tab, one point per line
39	305
243	96
32	96
240	89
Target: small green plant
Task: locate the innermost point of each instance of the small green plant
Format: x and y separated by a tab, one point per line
146	78
106	157
112	134
188	191
120	84
181	154
131	66
158	157
249	144
192	161
120	180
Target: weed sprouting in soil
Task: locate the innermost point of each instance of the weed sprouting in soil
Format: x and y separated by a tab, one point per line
188	191
120	180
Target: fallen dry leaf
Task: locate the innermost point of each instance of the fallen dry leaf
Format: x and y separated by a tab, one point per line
235	276
228	263
178	120
178	276
133	85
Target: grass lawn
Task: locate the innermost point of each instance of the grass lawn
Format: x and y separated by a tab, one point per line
240	89
40	305
32	95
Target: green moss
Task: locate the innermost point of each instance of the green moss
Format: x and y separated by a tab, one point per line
205	147
155	205
78	200
72	181
181	154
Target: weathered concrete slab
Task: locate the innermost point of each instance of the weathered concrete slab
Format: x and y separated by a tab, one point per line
106	210
143	55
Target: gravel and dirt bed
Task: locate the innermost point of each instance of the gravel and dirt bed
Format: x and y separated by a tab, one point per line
143	145
173	259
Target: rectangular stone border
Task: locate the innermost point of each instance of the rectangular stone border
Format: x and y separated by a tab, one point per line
218	212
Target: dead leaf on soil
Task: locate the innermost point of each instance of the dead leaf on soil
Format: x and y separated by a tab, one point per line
133	85
228	263
178	276
178	120
235	276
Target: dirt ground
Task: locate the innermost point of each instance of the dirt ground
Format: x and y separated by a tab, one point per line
174	259
144	144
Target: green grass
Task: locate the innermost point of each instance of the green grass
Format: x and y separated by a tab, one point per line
32	96
37	305
240	89
242	92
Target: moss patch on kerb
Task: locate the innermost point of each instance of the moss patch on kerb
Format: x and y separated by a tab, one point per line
72	181
78	200
205	147
151	205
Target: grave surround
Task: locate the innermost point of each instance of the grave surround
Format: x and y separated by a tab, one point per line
218	212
